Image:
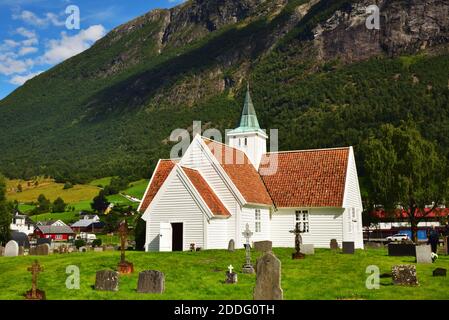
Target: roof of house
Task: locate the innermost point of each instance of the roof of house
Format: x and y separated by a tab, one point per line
309	178
213	202
163	169
241	171
403	214
83	223
55	229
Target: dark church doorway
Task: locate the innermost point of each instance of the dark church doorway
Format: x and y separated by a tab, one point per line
177	236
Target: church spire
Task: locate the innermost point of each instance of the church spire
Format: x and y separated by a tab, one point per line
249	120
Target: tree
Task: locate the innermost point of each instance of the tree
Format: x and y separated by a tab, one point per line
111	221
5	212
100	203
43	204
139	232
406	172
67	186
59	205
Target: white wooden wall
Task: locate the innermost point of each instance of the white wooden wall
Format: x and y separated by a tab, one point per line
353	199
248	216
217	234
174	203
324	224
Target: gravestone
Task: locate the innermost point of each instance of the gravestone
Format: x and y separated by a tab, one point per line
11	249
424	254
82	249
70	249
106	280
21	251
247	267
446	245
268	278
151	281
298	241
35	293
32	251
98	249
308	249
231	245
2	251
43	249
124	267
263	246
334	244
439	272
348	247
401	249
404	275
231	277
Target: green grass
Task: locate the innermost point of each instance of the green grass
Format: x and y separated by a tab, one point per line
199	275
103	182
121	200
137	189
66	217
26	207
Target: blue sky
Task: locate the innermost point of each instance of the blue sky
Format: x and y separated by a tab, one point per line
34	36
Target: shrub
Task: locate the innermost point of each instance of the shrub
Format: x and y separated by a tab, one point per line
97	243
80	243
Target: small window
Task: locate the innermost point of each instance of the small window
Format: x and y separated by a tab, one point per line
302	217
246	141
258	220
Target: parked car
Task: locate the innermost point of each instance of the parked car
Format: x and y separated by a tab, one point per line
398	237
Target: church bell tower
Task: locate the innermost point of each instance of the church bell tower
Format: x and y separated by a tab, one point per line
248	137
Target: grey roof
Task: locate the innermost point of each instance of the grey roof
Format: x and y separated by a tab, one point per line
55	229
82	223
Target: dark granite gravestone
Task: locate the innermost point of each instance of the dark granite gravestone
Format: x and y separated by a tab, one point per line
231	245
401	249
151	281
268	278
348	247
2	251
404	275
334	244
439	272
231	277
263	246
106	280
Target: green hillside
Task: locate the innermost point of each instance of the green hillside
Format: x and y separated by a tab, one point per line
110	110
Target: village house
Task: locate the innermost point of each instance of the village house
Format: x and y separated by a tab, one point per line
54	232
22	223
208	196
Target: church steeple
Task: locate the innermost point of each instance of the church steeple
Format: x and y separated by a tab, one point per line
249	121
249	137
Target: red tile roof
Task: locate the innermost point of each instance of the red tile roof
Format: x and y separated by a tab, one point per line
310	178
206	192
242	173
162	171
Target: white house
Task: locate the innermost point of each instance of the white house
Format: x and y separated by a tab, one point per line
209	195
22	223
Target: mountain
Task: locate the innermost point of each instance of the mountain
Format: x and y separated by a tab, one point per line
316	73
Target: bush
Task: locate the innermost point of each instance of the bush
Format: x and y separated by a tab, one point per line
68	185
97	243
80	243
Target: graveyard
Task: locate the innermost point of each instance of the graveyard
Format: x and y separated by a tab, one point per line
327	274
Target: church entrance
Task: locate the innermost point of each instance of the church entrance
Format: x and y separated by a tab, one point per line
177	236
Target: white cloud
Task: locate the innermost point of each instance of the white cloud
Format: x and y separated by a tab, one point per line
68	46
33	19
10	65
26	33
27	50
20	80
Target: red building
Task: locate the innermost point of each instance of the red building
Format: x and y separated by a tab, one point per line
55	233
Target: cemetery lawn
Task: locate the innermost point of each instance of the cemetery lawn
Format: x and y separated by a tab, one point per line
199	275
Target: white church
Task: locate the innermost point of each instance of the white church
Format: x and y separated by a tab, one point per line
208	196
